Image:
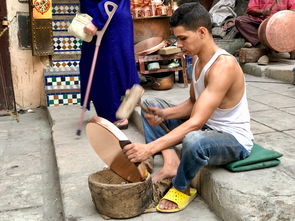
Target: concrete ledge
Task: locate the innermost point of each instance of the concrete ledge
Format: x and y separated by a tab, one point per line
281	70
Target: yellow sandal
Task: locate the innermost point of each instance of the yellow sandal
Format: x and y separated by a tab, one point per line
179	198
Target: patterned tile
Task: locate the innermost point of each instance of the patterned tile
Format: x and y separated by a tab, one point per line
59	99
62	80
65	65
65	9
66	43
61	25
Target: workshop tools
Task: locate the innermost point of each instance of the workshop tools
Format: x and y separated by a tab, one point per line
99	35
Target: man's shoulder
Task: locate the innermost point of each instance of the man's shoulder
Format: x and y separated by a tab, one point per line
226	61
226	66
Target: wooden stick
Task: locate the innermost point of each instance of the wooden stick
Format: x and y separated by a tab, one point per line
147	110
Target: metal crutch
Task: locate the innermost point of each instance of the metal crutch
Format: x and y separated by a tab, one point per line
99	35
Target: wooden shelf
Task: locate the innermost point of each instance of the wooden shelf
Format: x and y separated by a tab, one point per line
152	58
162	70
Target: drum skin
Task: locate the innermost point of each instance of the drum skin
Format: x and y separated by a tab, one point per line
278	31
105	138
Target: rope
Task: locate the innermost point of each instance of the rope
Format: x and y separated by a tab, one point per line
8	24
4	30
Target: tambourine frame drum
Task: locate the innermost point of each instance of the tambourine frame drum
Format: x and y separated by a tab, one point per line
107	140
277	32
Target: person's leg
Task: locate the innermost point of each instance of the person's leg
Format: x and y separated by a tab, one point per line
248	27
201	148
170	157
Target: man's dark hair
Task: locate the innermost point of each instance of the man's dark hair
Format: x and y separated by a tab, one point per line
191	16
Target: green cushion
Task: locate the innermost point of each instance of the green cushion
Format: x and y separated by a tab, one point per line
259	158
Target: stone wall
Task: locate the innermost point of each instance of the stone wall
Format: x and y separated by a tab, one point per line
27	70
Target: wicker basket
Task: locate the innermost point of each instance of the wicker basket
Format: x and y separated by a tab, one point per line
116	198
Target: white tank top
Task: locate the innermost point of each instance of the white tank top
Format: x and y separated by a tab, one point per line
235	120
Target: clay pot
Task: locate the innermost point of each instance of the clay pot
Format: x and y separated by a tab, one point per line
164	82
277	32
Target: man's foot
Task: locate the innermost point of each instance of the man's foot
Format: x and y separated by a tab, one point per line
164	173
176	200
121	124
263	60
248	45
171	163
168	205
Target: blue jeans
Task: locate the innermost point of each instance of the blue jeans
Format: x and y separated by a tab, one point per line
199	148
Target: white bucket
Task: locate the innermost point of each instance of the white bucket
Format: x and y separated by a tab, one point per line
76	28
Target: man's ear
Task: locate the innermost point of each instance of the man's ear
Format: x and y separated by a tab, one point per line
202	31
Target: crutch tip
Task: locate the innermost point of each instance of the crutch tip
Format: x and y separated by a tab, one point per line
78	132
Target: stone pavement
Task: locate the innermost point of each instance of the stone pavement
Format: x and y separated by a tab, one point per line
29	186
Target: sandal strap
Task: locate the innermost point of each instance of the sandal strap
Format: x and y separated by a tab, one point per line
177	197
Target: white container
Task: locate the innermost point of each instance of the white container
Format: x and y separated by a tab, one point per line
76	28
153	66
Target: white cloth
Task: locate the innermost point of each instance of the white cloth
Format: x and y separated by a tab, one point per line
221	10
236	120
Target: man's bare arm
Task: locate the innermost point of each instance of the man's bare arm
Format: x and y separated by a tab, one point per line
219	81
183	110
258	12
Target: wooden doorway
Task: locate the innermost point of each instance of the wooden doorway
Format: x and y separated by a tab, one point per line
7	100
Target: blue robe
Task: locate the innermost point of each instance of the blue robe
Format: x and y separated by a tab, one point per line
115	70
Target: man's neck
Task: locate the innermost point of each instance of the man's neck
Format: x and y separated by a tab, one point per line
207	51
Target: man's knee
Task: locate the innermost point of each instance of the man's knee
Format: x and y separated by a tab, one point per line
151	102
193	143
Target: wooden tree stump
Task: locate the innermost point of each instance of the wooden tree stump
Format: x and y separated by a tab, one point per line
116	198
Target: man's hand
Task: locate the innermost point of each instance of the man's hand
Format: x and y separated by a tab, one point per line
90	29
137	152
155	117
266	12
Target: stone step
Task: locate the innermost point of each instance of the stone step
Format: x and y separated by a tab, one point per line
76	160
282	69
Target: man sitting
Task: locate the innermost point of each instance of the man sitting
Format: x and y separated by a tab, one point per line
213	124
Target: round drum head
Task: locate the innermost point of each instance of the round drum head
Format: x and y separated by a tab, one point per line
103	140
279	31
